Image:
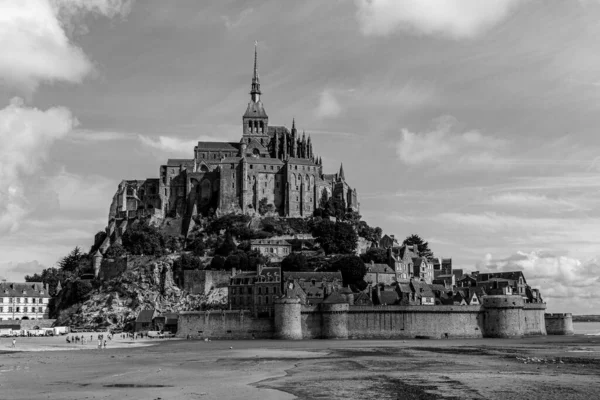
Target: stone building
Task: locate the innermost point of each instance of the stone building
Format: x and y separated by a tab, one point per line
407	263
23	300
255	290
316	285
273	248
270	164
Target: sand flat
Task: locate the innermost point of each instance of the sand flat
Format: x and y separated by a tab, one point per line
532	368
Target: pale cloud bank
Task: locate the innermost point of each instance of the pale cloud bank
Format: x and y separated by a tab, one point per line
444	145
26	135
558	277
35	45
456	19
329	106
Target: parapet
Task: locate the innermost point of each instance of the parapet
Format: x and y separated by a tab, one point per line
503	301
559	324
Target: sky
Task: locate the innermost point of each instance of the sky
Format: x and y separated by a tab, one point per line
472	125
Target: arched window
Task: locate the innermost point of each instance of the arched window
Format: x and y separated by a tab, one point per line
266	299
204	168
259	290
262	127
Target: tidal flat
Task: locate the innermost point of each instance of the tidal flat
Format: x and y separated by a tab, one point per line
553	367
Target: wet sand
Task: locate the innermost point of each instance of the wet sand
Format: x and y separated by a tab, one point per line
552	367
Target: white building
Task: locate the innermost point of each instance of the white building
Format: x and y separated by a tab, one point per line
23	300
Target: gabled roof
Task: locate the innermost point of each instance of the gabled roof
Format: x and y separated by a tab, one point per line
176	162
270	271
301	161
388	297
145	316
379	268
16	289
512	275
362	297
335	298
277	129
255	110
214	146
422	289
264	160
328	276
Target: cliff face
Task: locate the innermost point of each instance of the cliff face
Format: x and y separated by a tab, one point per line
147	283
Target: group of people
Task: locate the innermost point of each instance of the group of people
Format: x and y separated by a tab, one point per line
82	339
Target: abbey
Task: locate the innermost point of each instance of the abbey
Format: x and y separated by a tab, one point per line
270	165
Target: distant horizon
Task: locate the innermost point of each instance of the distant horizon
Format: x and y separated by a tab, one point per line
464	125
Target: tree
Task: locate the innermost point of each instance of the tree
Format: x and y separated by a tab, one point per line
115	251
353	269
227	246
371	234
51	277
71	261
422	245
144	239
294	262
264	207
375	254
217	263
336	237
197	246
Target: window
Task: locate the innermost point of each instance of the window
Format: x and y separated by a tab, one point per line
259	290
271	168
295	167
10	309
1	299
1	309
18	309
249	290
251	166
26	300
266	184
232	166
18	299
233	185
264	167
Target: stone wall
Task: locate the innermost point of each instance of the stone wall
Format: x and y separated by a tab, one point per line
224	325
41	323
559	324
340	321
201	282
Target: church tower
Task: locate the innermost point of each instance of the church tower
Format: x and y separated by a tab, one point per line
255	119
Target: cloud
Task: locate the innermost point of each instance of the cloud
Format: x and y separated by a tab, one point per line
26	135
443	145
34	41
329	106
169	144
232	23
523	200
13	271
86	135
558	277
456	19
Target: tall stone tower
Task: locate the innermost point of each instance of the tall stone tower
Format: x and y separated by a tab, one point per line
255	119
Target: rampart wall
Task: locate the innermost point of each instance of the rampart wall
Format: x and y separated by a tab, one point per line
224	325
340	321
559	324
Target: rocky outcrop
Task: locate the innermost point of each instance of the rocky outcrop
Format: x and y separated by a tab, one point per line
147	283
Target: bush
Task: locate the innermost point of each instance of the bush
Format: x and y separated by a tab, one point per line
227	246
336	237
115	251
353	269
375	254
144	239
295	262
217	263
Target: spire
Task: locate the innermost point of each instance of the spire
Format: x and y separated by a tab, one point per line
341	174
255	92
293	125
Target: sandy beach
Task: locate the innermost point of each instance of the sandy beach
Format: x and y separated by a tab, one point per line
556	367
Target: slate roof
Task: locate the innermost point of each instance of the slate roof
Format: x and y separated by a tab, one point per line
16	289
270	270
422	289
513	275
362	298
277	129
379	268
329	276
145	316
335	298
388	297
213	146
438	288
295	293
275	242
403	287
176	162
301	161
264	160
255	110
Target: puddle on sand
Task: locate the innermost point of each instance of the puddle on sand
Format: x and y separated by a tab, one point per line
134	385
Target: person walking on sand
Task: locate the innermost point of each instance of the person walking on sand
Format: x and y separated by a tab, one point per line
104	344
14	344
99	344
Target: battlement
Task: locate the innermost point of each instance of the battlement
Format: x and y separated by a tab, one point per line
559	324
